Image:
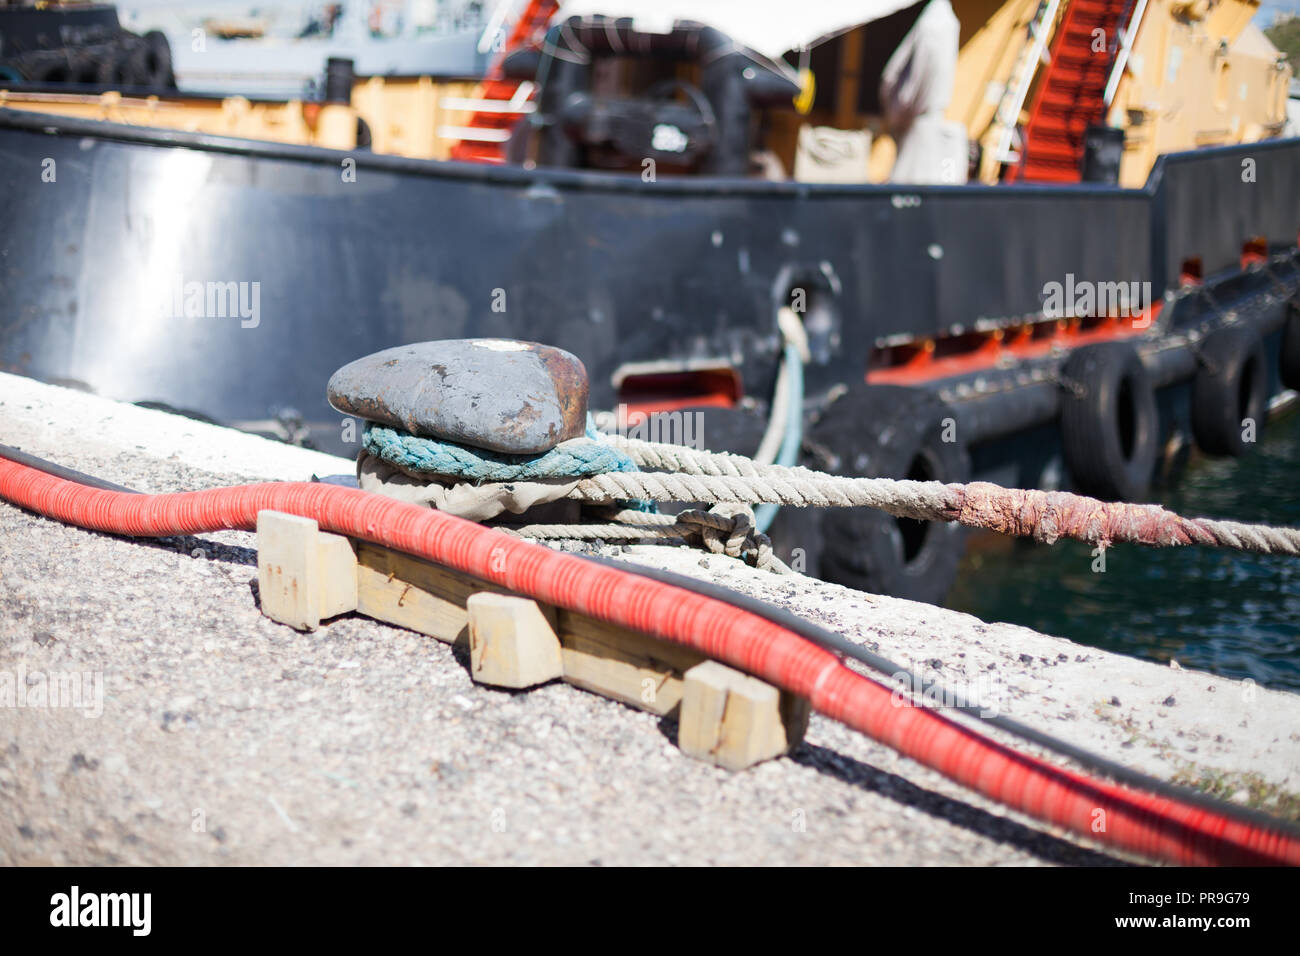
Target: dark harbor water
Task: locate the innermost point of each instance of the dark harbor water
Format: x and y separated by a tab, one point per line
1237	615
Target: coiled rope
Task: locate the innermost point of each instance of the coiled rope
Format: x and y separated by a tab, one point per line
580	456
728	530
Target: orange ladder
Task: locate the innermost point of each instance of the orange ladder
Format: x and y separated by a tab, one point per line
499	102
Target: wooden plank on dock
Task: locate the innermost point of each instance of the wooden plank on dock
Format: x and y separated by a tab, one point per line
416	594
634	668
726	717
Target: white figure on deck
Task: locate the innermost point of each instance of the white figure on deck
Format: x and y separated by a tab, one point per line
915	90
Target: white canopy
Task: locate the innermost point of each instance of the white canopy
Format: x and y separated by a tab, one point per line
768	27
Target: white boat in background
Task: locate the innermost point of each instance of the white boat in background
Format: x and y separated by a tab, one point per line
279	50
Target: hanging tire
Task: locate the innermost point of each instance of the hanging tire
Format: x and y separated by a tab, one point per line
1230	391
1289	364
1110	426
150	63
878	431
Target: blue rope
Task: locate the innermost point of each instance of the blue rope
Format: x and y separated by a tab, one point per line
573	459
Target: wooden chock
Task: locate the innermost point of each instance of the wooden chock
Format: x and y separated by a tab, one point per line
735	721
511	642
303	575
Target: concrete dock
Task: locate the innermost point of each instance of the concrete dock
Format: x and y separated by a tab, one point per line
221	737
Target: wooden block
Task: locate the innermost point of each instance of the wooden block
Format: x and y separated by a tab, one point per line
286	565
337	563
511	643
735	721
630	667
303	576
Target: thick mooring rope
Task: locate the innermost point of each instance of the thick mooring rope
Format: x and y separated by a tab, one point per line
1046	516
659	456
733	483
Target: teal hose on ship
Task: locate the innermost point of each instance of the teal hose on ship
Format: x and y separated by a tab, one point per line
792	438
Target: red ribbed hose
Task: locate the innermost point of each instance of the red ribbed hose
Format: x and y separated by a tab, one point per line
1150	825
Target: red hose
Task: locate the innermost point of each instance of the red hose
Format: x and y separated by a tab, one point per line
1150	825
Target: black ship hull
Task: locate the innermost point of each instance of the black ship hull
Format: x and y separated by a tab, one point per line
343	255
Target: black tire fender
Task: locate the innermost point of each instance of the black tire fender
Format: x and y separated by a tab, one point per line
151	62
877	431
1110	426
1229	391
